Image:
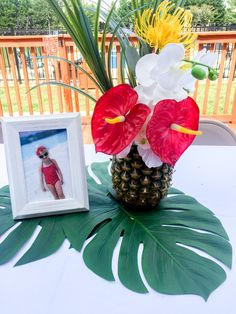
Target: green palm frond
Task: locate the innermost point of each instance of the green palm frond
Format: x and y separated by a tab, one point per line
77	66
122	67
135	5
96	23
74	19
130	52
106	25
78	26
66	86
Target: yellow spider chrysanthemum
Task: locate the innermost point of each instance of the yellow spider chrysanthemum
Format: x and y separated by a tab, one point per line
162	27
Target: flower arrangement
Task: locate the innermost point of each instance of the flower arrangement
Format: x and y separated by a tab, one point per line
146	123
152	110
157	115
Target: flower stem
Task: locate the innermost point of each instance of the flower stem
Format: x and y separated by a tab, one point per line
197	63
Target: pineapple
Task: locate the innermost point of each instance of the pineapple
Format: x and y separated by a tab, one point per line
136	184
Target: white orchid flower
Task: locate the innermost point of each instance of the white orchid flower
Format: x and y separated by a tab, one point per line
157	75
144	67
168	65
151	95
146	94
166	74
149	157
151	66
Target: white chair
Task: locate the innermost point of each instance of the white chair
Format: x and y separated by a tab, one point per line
214	133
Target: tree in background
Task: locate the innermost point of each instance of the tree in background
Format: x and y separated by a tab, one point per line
230	16
202	15
43	17
8	13
218	15
125	6
90	9
204	11
37	14
26	14
231	3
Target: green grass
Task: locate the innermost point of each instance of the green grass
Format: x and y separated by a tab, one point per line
35	102
82	100
212	97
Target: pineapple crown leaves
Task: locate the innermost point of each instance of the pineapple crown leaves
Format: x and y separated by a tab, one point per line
168	235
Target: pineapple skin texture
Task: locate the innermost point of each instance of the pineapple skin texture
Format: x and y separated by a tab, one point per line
135	184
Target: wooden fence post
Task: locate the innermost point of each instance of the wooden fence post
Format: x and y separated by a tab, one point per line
219	105
26	79
6	87
65	74
16	85
234	108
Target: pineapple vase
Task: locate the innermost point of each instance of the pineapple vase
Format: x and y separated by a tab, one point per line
136	185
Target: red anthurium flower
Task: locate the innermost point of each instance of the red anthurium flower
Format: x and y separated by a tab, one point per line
117	119
172	128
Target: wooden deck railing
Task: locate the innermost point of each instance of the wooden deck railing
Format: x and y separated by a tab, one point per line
20	70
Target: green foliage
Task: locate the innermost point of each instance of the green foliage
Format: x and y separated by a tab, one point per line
202	15
27	14
90	11
204	11
230	16
8	13
43	17
218	14
168	235
37	14
75	21
231	4
125	6
85	33
24	14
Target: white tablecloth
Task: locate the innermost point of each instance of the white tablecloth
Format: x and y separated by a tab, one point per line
62	284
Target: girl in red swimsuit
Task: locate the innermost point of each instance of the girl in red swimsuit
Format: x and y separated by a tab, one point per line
50	173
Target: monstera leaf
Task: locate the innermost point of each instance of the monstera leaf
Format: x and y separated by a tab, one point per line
179	242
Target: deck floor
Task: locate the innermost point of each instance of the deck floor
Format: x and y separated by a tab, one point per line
89	140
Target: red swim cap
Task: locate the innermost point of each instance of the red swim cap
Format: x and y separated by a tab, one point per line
40	149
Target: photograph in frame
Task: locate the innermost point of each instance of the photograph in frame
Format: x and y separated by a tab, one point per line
46	166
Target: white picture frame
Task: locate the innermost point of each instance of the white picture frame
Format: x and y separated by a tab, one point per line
21	168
